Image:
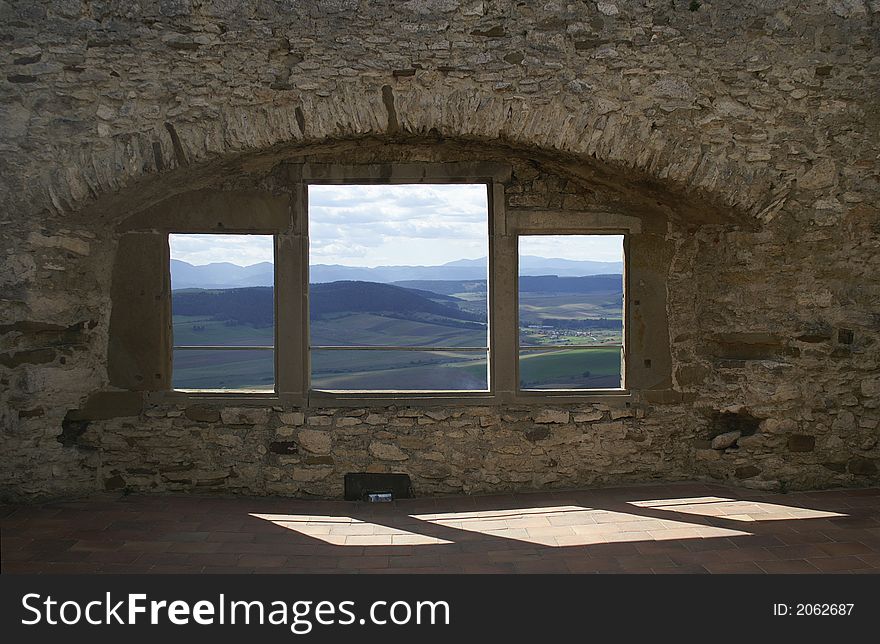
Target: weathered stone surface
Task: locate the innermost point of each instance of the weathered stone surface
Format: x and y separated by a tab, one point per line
244	416
607	8
387	452
862	466
728	439
295	418
870	387
72	244
746	472
801	443
202	414
779	426
587	417
726	422
311	473
822	175
835	466
317	442
33	356
538	434
310	459
109	404
751	346
547	416
283	447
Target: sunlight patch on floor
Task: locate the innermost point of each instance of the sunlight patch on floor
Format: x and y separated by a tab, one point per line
733	509
348	531
573	526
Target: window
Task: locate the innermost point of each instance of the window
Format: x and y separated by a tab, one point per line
571	312
382	283
398	287
223	312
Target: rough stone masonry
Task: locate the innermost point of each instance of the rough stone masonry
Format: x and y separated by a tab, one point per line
748	132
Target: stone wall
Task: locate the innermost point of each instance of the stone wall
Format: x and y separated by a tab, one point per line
749	129
445	450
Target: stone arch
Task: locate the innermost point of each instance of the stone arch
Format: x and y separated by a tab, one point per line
608	145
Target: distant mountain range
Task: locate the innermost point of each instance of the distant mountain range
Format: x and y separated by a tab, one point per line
603	283
226	275
220	275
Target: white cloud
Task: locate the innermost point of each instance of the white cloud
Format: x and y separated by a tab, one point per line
408	224
243	250
597	248
386	225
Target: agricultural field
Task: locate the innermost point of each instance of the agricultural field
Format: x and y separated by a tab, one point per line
399	370
206	369
598	368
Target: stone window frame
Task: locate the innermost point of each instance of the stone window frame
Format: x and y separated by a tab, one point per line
139	353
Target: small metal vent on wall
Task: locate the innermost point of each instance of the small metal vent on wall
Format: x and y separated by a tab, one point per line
377	487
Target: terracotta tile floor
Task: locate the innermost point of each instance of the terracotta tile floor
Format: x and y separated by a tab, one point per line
681	528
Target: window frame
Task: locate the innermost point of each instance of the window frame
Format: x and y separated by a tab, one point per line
283	214
273	348
489	286
401	174
624	344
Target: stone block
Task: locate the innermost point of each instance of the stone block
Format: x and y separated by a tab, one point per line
244	416
295	418
554	416
728	439
315	441
387	452
746	472
587	417
283	447
202	414
801	443
861	466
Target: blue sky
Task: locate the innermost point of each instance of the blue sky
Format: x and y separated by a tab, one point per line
386	225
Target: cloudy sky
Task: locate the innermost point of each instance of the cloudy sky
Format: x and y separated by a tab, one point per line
363	225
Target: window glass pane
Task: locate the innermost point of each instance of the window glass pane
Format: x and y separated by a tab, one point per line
386	369
570	368
253	370
397	266
222	296
570	296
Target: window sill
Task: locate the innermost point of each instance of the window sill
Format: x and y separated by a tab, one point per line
226	396
378	399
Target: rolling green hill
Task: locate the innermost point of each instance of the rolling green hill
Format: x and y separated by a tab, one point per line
371	297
